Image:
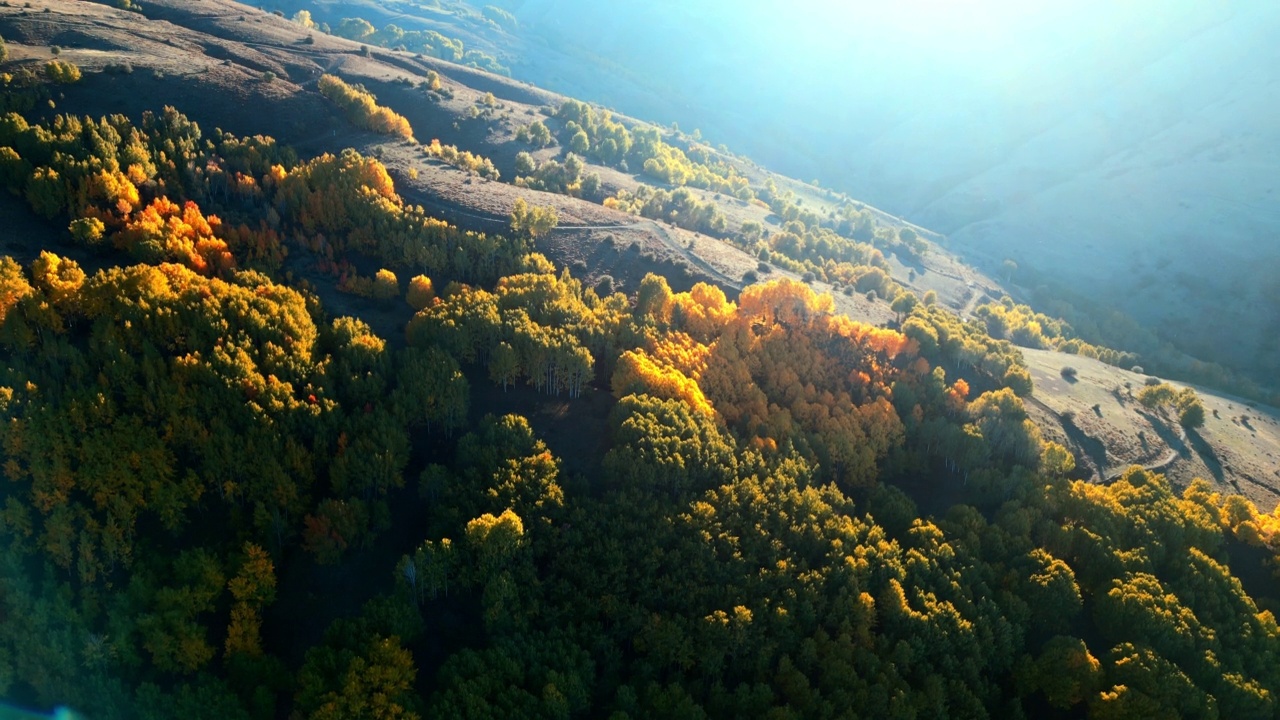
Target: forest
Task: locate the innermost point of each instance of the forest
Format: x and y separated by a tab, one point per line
790	514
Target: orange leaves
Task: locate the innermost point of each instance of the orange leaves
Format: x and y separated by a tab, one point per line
780	367
785	302
421	292
164	230
111	191
703	311
957	394
363	110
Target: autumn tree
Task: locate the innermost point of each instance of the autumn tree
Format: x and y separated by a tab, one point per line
362	109
532	221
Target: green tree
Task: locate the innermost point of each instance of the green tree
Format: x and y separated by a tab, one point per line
532	221
539	135
504	365
1065	672
525	164
375	683
88	230
903	304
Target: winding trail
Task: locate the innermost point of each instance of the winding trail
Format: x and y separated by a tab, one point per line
1099	464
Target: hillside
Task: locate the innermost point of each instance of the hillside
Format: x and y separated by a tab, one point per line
344	381
1128	164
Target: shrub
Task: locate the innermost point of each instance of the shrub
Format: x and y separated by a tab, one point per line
1137	369
764	267
808	277
1069	372
1151	381
750	276
605	285
63	73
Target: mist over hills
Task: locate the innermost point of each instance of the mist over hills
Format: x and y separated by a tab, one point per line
1124	151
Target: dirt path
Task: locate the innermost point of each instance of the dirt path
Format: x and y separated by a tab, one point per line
1097	462
1161	463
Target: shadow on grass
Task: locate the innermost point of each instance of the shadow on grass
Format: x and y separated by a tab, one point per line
1167	434
1206	453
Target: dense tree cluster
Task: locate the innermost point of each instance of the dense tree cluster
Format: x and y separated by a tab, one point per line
167	434
564	178
348	202
804	244
362	108
426	42
535	325
187	443
597	135
680	207
943	338
1028	328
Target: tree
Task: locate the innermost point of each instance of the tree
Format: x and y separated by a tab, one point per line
1065	671
421	292
903	304
61	72
591	186
579	143
532	221
354	29
1190	409
494	540
1009	267
252	588
362	110
1018	379
1157	396
525	163
504	365
375	683
539	135
385	285
88	230
1056	460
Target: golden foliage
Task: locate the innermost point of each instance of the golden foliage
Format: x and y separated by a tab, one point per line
363	110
